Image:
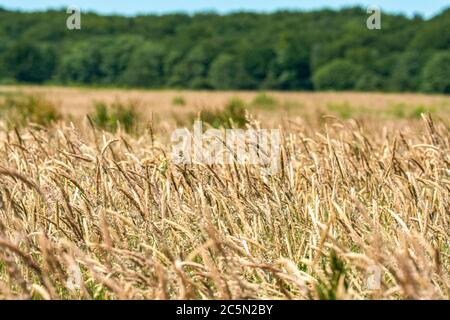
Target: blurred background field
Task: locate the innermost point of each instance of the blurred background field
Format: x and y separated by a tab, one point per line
167	104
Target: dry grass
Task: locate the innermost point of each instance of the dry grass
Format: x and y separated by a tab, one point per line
352	194
79	101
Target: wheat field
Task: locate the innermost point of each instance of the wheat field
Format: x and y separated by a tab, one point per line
363	191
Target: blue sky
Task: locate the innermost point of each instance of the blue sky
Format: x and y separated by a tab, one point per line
427	8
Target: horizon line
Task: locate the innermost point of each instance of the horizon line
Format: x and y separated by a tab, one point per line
224	12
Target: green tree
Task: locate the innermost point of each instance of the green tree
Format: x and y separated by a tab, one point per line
433	34
228	73
406	74
282	50
337	75
369	81
292	63
29	62
436	73
116	56
81	63
191	71
146	67
257	63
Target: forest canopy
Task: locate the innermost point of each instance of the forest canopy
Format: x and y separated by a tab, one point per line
286	50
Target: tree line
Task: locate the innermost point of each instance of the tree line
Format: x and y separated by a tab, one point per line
285	50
